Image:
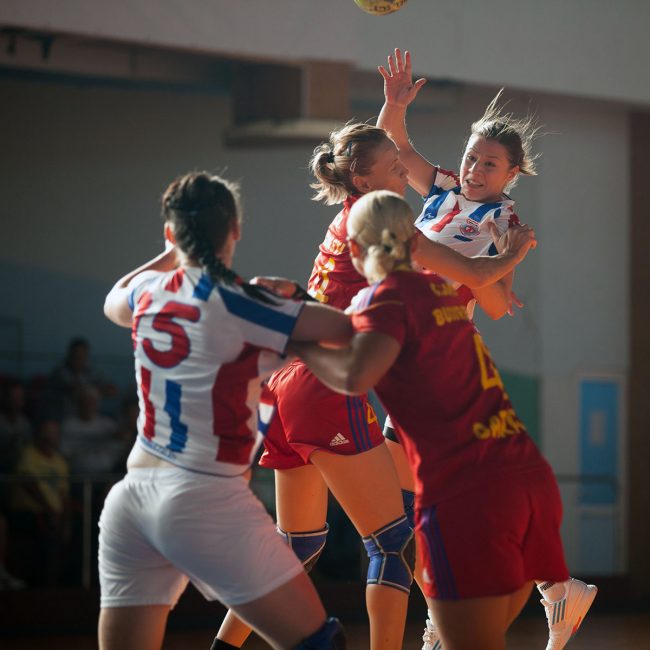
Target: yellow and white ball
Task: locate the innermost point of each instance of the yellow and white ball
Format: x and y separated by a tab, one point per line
380	7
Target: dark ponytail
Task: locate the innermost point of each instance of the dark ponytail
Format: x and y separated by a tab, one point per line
202	210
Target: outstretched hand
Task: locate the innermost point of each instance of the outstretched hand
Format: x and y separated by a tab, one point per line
517	239
399	89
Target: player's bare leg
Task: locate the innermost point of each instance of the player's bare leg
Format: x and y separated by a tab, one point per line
473	623
132	628
287	615
407	484
367	488
301	505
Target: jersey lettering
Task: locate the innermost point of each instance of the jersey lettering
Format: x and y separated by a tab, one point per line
320	286
164	321
490	377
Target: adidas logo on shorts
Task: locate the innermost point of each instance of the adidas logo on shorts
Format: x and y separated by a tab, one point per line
338	439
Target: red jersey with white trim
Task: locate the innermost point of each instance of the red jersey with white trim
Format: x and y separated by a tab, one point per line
444	393
201	352
334	280
450	219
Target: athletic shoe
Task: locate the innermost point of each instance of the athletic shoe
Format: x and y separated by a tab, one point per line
431	638
565	615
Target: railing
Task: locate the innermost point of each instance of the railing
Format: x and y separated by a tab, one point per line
85	488
83	498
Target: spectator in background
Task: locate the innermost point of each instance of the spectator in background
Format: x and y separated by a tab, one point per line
74	373
127	431
15	427
90	441
39	506
15	434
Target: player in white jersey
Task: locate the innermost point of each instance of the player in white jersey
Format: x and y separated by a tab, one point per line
467	213
203	342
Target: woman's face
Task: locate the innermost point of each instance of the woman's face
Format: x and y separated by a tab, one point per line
485	170
387	173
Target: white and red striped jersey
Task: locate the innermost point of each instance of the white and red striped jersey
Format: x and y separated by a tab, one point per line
450	219
201	352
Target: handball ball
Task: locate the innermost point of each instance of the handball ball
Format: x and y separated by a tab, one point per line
380	7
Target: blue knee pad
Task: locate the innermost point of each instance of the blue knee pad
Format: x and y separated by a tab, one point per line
330	636
307	546
408	498
391	550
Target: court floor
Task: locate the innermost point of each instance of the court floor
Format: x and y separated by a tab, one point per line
600	632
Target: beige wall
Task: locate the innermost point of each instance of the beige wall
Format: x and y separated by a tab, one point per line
591	48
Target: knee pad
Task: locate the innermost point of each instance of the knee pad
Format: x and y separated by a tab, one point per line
391	550
307	546
329	636
408	498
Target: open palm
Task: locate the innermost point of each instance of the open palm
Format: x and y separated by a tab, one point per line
399	88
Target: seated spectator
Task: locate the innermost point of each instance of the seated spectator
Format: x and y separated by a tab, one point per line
15	427
127	431
39	506
90	441
7	581
74	373
15	434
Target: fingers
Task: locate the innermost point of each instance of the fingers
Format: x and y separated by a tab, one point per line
419	83
515	300
392	65
397	63
399	60
383	72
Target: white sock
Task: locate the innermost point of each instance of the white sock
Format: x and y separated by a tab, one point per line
430	613
552	591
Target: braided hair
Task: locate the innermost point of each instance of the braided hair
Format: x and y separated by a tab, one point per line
202	210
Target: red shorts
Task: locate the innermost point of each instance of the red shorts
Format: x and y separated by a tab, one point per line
310	416
494	539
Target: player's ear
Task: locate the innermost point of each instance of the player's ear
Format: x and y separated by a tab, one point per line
361	184
512	174
236	230
169	234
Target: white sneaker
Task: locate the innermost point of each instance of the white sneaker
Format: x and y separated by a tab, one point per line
430	637
565	615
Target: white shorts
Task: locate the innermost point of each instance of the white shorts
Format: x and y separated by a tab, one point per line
163	527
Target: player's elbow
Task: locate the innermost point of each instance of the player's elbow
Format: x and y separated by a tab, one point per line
116	312
496	314
356	381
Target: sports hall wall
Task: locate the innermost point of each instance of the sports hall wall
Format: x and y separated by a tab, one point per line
86	156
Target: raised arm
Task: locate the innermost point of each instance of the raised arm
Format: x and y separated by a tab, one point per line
399	92
116	305
475	272
354	369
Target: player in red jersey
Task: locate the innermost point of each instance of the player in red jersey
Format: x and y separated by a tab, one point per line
487	505
321	439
